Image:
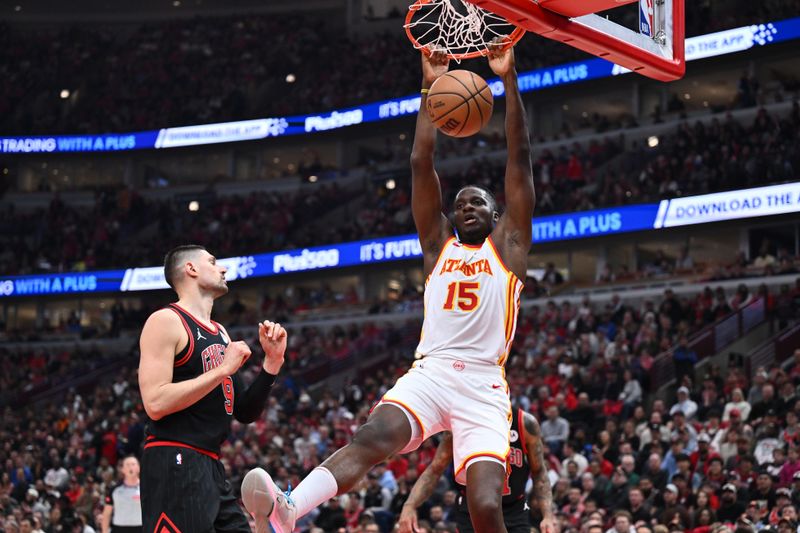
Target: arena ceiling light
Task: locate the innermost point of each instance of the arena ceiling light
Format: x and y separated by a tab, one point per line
652	141
64	94
194	205
291	78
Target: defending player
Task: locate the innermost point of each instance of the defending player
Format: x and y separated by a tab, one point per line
525	460
191	391
471	303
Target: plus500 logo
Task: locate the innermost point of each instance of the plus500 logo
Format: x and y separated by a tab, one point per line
6	288
305	260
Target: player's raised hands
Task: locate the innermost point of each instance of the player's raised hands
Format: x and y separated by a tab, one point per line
501	56
272	337
434	64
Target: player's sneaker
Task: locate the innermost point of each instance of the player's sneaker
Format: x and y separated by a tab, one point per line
268	505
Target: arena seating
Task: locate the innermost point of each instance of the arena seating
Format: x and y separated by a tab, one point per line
190	71
125	229
580	359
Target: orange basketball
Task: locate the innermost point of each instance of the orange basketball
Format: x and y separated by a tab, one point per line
460	103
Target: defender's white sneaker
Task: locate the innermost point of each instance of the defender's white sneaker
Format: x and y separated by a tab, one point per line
268	505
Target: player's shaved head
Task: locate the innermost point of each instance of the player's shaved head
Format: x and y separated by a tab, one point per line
486	192
174	260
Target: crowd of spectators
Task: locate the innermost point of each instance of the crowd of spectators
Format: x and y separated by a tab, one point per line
189	71
583	370
125	229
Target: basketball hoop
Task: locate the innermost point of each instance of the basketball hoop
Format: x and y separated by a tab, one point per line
656	50
458	28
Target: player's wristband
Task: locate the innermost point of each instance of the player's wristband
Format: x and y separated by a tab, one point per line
425	91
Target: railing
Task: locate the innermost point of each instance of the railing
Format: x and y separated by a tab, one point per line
711	340
777	349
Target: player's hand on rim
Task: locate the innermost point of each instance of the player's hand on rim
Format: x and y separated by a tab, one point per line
272	337
501	56
434	64
236	353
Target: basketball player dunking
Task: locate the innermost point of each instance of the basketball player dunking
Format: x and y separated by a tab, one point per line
525	461
471	303
191	390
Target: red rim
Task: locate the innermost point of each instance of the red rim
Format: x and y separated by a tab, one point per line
514	37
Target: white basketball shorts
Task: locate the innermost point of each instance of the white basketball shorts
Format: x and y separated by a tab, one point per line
468	399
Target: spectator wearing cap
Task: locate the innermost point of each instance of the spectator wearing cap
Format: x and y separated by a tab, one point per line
654	430
737	403
702	454
783	498
790	467
672	507
729	508
742	450
684	404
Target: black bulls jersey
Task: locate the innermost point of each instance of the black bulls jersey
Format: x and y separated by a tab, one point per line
516	465
205	424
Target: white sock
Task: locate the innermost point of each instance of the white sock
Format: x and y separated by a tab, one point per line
317	488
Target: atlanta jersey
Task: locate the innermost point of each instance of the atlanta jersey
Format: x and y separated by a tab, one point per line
471	305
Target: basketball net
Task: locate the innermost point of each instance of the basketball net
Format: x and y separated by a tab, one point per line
458	28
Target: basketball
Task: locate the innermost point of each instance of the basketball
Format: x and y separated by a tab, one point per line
460	103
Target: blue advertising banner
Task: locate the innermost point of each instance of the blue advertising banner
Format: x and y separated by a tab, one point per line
702	46
731	205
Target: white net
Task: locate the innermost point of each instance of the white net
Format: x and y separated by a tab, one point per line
456	27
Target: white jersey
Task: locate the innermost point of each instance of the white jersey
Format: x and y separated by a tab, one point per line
471	305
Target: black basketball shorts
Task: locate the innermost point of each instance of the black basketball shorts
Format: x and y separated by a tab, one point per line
516	518
184	490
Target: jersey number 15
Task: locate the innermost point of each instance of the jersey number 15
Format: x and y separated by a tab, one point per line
462	294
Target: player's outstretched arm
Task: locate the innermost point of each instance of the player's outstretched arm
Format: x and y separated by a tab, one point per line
426	193
542	494
162	337
520	195
423	488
